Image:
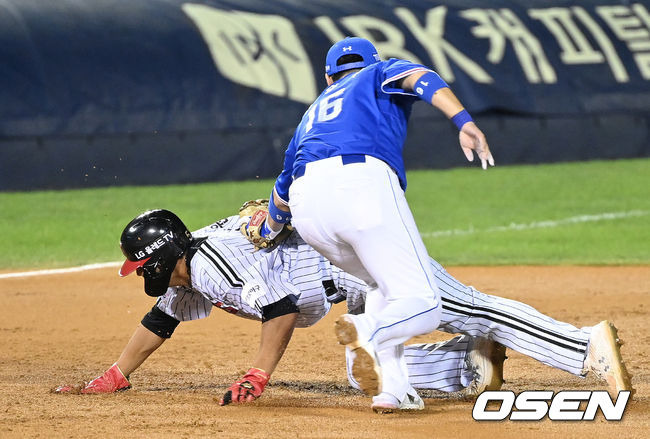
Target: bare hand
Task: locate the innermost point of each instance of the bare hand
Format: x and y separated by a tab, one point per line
472	139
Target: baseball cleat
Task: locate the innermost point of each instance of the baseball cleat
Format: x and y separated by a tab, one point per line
365	369
385	403
485	359
604	358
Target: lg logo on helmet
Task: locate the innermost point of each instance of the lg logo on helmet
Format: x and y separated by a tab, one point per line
564	406
154	245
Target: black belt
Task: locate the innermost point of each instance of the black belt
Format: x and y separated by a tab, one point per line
345	158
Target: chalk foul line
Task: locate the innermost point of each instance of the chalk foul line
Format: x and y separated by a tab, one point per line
608	216
61	270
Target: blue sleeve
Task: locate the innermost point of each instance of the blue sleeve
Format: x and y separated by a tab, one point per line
396	69
285	179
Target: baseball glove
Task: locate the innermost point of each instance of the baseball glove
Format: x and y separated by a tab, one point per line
257	211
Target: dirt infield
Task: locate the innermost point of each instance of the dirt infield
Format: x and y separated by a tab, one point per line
60	329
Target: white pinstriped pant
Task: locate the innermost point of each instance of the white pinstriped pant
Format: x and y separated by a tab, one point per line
468	311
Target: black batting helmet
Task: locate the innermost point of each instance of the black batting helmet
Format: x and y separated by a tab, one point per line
154	240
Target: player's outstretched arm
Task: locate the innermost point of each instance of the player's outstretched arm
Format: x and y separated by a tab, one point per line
429	87
284	210
142	344
276	334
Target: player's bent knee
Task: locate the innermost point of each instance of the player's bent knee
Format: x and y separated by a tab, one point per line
430	312
430	300
433	318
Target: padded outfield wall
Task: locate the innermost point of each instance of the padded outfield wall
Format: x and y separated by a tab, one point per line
111	92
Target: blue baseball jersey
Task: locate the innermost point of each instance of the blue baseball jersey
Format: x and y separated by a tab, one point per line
363	113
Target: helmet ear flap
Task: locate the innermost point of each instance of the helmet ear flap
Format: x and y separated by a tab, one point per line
157	286
158	272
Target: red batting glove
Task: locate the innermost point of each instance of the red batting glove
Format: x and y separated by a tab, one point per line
112	380
247	389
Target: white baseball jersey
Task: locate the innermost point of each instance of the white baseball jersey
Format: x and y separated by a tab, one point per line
226	263
227	273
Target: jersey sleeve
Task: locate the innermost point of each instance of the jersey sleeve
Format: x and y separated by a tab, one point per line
285	179
395	69
184	304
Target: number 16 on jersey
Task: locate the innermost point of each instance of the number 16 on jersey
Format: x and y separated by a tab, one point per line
328	108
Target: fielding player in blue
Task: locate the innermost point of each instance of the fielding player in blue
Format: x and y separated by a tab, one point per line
343	186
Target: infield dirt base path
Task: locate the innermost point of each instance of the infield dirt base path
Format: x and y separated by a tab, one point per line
68	328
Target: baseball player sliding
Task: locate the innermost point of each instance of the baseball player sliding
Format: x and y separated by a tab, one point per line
291	285
343	186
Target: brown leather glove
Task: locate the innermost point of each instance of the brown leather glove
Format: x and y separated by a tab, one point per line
254	229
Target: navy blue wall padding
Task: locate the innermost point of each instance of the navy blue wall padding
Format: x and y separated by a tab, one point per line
108	92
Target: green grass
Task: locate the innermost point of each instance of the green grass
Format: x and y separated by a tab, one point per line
64	228
464	198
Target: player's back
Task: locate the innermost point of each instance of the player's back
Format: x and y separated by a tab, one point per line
355	115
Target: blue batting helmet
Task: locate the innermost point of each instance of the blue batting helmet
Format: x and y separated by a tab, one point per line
350	46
